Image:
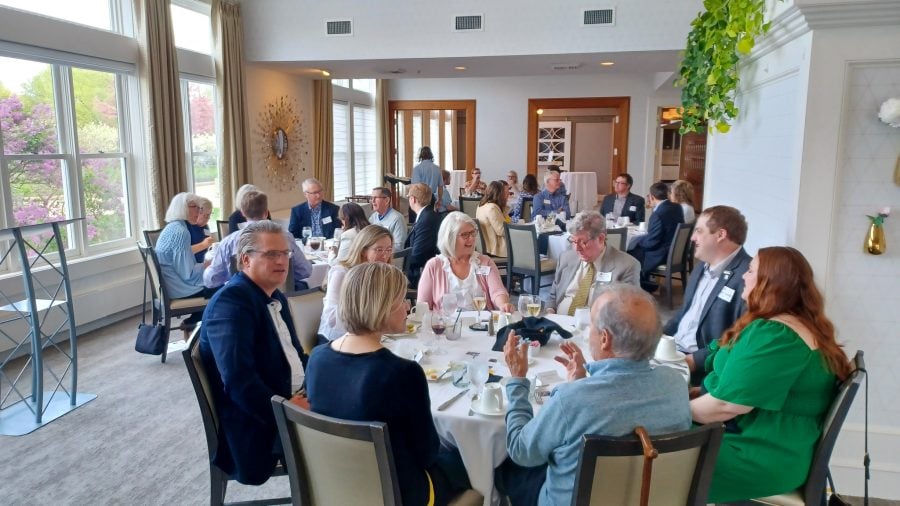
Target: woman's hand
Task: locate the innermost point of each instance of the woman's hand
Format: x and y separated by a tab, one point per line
516	356
573	360
507	308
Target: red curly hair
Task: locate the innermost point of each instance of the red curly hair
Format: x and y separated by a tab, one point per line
785	285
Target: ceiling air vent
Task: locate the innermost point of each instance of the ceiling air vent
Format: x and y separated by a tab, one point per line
470	23
338	27
599	17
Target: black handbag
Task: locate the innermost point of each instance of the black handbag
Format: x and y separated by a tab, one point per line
151	338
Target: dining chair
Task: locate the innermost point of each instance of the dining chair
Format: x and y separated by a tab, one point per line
151	236
812	493
617	238
469	205
306	311
400	259
500	262
321	452
223	228
527	204
164	306
200	381
676	262
524	258
617	470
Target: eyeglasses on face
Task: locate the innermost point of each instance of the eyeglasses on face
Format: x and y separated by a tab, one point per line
579	243
468	235
623	183
317	192
274	254
381	251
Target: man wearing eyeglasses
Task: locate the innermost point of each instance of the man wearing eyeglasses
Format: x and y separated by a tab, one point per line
621	202
552	199
255	206
590	263
316	213
387	217
251	352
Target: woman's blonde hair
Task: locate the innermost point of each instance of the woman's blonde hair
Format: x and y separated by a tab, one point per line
364	240
368	296
682	192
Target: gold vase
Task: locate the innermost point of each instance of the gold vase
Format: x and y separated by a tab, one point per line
875	244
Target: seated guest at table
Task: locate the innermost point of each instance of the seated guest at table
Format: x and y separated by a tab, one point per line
459	269
423	236
712	301
250	352
552	199
512	179
236	217
590	261
255	206
652	249
621	202
773	378
387	217
529	189
492	217
353	219
200	237
182	273
428	172
356	378
446	200
558	170
622	392
316	213
682	193
475	187
372	244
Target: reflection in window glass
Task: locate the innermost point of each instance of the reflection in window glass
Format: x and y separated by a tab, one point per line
416	134
364	148
96	111
192	30
87	12
205	166
27	108
366	85
37	190
434	133
105	204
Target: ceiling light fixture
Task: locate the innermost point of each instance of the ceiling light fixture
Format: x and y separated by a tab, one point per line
326	73
607	63
459	68
540	111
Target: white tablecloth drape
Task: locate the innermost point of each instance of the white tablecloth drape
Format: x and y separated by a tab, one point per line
457	181
582	188
558	244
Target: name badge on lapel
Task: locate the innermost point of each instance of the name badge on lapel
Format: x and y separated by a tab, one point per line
726	294
326	220
632	208
546	202
604	277
483	270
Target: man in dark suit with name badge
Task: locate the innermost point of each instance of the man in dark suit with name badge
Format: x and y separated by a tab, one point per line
423	236
316	213
621	202
652	249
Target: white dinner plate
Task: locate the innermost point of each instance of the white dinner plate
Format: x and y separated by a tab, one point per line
475	407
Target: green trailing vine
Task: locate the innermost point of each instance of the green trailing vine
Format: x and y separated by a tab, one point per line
720	36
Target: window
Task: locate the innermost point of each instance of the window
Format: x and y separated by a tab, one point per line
96	13
355	155
191	26
63	150
199	106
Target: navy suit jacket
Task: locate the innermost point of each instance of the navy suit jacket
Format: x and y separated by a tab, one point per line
717	315
423	241
631	200
300	217
660	231
246	366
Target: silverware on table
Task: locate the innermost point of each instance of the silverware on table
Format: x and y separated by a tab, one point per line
446	404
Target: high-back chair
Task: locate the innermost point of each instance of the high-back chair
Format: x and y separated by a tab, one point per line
527	204
200	381
501	262
164	306
617	238
469	205
812	493
150	237
676	262
524	258
306	310
222	228
611	470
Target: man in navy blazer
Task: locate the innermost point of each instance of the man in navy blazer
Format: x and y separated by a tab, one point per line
318	214
652	249
621	202
712	298
250	352
423	236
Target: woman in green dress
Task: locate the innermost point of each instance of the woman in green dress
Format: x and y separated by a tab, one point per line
774	375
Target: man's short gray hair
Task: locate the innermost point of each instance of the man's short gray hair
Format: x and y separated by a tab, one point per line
178	207
240	194
450	230
631	318
547	176
309	181
591	222
248	241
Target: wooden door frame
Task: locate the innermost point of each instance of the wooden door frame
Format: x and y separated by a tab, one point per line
415	105
622	105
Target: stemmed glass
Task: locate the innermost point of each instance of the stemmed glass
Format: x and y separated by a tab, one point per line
306	233
479	301
529	305
478	374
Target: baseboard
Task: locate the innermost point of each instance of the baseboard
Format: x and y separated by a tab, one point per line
884	452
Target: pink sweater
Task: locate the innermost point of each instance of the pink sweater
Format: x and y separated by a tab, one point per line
434	283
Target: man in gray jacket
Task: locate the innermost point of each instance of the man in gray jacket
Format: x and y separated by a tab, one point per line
589	263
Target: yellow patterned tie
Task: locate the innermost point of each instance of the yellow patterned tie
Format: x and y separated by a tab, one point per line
584	288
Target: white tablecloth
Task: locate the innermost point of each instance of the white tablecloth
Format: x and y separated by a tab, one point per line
582	188
320	266
457	181
558	244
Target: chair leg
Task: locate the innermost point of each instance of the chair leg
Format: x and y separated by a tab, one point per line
218	485
669	287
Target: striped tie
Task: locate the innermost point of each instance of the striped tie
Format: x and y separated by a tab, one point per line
584	288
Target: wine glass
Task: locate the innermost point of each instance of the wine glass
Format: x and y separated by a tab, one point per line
524	300
306	233
438	324
478	374
479	301
533	308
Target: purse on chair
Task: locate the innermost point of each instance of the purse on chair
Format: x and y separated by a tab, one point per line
151	338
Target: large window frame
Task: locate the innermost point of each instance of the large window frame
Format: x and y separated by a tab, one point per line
191	152
352	99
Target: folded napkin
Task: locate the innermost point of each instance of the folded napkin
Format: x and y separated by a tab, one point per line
535	329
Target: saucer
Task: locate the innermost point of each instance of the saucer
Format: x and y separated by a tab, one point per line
416	327
476	407
678	358
438	373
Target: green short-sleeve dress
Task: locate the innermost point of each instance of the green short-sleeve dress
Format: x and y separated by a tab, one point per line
790	388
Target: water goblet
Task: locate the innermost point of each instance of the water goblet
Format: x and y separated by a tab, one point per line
478	374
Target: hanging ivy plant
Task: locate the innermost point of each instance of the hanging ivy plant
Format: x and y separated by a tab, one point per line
720	36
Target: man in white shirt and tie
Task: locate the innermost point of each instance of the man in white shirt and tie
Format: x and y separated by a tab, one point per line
387	217
590	262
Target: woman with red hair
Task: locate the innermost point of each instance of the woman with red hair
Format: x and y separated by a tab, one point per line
774	375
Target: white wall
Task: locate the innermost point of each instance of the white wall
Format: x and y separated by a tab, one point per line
501	111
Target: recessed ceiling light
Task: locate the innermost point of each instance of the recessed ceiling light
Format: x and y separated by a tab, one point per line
459	68
607	63
326	73
540	111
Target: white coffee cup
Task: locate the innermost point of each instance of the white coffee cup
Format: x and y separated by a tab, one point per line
491	400
625	220
666	349
418	312
642	226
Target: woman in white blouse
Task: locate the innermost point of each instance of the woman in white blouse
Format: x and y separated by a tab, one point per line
682	192
354	219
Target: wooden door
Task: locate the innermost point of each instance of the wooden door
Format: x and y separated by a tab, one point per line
693	164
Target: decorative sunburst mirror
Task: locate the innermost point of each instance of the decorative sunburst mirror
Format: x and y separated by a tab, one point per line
282	143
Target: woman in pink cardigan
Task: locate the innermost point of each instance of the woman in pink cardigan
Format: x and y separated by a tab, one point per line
459	268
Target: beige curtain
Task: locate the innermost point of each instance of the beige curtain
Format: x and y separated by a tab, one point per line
383	127
161	99
323	137
234	160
